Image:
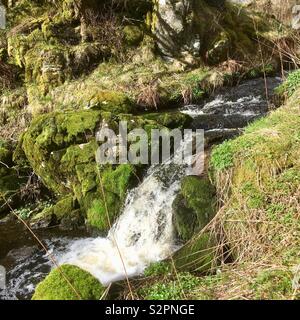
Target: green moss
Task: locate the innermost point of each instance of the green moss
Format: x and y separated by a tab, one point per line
111	101
56	287
198	255
273	285
106	208
199	196
61	148
60	210
193	207
133	34
47	138
98	216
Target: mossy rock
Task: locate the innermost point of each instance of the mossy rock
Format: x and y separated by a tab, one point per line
104	209
194	206
111	101
74	169
170	120
47	141
65	212
82	286
61	148
198	255
133	35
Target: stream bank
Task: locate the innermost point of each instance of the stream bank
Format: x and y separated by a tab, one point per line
223	116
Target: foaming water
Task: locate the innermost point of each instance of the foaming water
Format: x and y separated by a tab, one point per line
27	266
247	98
142	234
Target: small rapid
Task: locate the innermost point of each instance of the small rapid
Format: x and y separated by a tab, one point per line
142	234
144	231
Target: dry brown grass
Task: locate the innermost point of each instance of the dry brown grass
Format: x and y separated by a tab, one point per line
106	28
149	96
257	225
281	9
7	77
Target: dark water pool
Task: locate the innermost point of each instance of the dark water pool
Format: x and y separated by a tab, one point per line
25	261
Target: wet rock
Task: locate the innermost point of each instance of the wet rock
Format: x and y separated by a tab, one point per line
218	135
47	221
72	221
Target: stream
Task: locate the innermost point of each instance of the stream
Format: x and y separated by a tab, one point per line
144	232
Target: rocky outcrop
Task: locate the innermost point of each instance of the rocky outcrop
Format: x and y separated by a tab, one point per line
187	30
61	148
172	23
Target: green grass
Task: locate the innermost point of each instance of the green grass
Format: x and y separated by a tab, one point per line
170	289
273	285
158	269
291	84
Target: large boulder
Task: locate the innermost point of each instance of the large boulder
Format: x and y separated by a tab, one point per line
204	30
69	283
172	26
61	148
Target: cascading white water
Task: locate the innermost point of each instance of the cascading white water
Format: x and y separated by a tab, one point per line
144	230
142	234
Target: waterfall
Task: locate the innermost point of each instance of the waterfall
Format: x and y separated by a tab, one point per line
144	231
